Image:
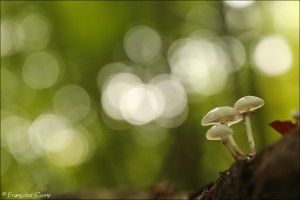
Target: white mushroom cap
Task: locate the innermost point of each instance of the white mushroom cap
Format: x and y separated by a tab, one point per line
225	114
218	132
295	114
248	104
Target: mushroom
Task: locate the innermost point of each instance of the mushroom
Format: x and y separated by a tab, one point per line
246	106
295	114
223	132
225	115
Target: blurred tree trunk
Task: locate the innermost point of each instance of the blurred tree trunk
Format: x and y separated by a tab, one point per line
182	166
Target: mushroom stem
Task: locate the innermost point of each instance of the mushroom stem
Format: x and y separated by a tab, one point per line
235	148
228	146
250	135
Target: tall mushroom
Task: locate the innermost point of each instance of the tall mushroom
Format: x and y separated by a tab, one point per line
222	132
295	114
247	106
225	115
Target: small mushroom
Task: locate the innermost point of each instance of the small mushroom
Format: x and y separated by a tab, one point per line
296	115
225	115
223	132
247	106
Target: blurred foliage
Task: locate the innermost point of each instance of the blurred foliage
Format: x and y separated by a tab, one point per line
56	134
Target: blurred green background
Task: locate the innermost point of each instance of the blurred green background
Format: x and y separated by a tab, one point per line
110	94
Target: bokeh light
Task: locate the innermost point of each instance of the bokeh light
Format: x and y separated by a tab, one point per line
142	44
141	104
290	11
125	97
50	133
236	51
238	4
108	71
272	55
14	137
174	100
200	64
246	19
41	70
114	90
11	37
73	102
75	153
36	30
289	24
64	145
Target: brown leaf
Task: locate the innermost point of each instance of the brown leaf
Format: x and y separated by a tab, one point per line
283	127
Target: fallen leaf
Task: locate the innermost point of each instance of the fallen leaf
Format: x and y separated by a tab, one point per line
283	127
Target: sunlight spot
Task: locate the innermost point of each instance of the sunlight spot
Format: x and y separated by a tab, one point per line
114	89
41	70
289	24
108	71
175	98
249	18
290	11
73	102
75	153
14	137
239	4
36	31
140	105
142	44
10	43
236	51
125	97
272	56
200	64
50	133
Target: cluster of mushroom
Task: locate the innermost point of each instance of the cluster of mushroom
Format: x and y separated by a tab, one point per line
223	117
